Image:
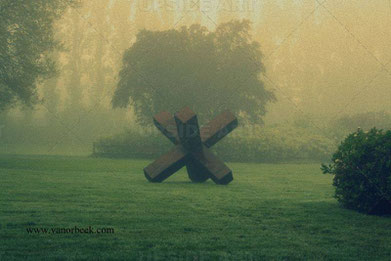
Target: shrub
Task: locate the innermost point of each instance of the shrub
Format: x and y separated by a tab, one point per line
245	144
132	144
282	143
362	169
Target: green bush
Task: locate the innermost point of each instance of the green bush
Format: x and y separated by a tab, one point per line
245	144
132	144
362	169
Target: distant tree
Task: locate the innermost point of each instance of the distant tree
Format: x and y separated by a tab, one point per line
208	71
26	40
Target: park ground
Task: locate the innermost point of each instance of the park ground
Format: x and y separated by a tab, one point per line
269	211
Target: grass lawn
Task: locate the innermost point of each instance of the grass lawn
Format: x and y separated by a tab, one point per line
269	211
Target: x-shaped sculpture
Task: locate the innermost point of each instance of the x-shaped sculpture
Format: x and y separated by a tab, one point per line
192	147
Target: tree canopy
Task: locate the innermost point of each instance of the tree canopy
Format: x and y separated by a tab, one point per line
26	40
207	71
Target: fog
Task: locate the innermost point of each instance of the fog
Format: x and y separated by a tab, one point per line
322	61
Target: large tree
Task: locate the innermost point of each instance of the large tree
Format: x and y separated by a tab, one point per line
208	71
26	42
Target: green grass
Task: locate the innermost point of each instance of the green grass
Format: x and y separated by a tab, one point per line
269	211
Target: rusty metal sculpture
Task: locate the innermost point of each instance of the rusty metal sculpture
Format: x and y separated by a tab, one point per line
192	147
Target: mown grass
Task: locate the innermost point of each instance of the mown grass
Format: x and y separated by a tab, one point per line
269	211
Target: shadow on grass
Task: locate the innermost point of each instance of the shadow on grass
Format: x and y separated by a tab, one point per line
188	183
334	208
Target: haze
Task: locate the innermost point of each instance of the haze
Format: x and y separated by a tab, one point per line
323	61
